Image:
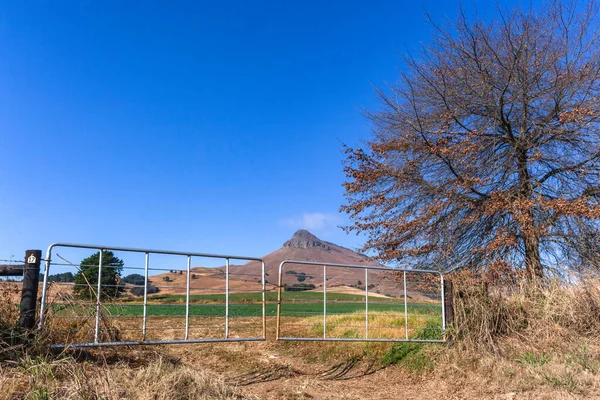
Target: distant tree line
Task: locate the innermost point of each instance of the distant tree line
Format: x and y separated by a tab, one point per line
64	277
298	287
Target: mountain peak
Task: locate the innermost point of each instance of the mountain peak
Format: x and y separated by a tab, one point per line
303	239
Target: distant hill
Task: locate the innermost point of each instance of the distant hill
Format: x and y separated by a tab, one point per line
303	246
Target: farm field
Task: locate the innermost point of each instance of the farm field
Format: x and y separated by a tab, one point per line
301	316
248	304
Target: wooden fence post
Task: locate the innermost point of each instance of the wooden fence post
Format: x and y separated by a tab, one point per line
31	278
448	302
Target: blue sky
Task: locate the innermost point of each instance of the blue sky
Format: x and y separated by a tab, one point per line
201	126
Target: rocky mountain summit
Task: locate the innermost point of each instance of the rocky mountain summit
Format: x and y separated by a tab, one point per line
303	239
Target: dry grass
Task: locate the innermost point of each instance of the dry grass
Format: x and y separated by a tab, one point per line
30	370
66	378
545	316
542	340
508	342
383	325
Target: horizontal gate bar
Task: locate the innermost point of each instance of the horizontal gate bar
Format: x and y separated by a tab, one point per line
155	342
428	271
138	250
360	340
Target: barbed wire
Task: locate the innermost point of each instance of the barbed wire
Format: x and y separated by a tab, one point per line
12	261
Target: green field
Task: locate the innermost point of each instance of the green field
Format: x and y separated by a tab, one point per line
294	304
254	297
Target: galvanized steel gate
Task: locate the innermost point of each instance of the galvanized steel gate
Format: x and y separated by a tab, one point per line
89	323
312	304
386	317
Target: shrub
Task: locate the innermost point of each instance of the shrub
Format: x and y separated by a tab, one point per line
139	290
299	287
134	279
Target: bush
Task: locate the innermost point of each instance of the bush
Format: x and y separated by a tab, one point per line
134	279
301	277
139	290
299	287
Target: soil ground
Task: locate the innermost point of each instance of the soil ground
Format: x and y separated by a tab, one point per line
276	370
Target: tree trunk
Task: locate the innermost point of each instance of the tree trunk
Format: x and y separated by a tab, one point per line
533	262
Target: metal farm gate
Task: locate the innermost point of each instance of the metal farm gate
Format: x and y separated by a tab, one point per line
166	298
187	305
345	302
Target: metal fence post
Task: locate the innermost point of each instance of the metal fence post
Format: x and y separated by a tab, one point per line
31	277
366	303
324	302
227	298
144	322
264	301
187	299
45	287
405	308
448	303
97	328
279	285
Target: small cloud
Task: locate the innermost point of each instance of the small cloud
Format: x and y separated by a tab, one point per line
313	221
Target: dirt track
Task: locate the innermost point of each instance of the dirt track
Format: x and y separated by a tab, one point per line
267	370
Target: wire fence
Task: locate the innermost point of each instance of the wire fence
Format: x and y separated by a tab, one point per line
11	270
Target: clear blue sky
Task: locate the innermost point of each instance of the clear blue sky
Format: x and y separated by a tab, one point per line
201	126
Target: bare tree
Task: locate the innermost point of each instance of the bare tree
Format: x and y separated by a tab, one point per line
487	151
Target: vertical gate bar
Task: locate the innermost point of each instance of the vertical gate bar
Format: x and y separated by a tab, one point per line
145	296
279	283
405	308
44	289
366	303
187	299
443	304
97	329
227	298
324	302
264	305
